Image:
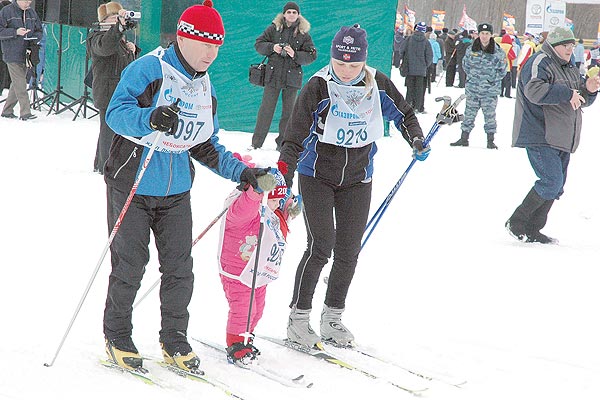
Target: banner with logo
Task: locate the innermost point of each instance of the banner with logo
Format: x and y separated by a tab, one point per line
543	15
508	23
467	22
534	17
437	20
409	18
555	14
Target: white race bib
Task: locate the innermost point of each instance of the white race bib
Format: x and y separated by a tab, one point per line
354	118
195	115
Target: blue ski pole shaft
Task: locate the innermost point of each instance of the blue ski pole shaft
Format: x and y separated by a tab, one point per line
397	186
372	224
447	112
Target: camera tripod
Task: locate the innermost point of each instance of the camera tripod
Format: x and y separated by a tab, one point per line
84	99
55	95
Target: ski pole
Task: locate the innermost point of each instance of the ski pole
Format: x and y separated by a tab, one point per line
109	242
200	236
447	111
384	205
263	209
374	218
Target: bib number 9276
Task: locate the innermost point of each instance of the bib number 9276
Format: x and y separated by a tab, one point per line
350	137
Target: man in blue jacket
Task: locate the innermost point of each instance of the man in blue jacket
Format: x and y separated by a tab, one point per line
164	101
20	33
547	124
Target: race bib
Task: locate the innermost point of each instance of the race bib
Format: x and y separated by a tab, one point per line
195	116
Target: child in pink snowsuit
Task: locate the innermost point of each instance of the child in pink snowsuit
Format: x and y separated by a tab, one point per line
237	251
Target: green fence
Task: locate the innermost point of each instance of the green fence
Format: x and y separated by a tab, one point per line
244	22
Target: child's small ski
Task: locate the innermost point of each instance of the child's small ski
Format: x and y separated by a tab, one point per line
296	382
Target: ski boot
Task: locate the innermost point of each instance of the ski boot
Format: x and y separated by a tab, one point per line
299	330
333	330
123	353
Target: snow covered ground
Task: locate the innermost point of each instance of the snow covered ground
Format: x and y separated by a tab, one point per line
441	287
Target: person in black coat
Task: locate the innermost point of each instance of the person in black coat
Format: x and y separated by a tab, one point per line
450	57
288	46
416	51
462	44
110	53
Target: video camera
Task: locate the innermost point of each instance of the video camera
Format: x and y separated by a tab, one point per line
133	15
131	19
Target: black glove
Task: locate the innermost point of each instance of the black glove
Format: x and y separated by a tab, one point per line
249	175
165	118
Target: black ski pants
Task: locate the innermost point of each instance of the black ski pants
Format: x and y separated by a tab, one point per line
450	73
170	219
335	218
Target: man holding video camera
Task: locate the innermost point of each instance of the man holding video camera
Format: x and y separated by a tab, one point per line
20	32
110	53
289	46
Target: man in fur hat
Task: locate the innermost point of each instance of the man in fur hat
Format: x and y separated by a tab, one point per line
485	65
289	46
110	52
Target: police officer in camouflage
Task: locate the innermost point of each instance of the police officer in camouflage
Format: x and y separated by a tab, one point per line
485	65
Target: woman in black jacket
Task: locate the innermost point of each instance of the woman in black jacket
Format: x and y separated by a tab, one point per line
330	141
289	46
110	53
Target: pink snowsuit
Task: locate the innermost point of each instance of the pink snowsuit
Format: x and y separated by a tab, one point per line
239	238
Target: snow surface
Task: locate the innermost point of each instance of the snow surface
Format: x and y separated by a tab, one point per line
441	287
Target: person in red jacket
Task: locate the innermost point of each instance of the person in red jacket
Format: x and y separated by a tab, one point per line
507	45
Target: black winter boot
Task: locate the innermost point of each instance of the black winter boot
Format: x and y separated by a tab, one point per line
538	221
519	225
490	142
463	141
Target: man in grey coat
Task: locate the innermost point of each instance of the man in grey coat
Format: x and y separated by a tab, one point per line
547	123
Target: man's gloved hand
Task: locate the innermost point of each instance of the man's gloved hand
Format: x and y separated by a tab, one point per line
249	177
165	118
266	183
420	153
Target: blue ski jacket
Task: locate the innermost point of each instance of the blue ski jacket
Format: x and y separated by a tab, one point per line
128	115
